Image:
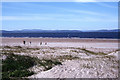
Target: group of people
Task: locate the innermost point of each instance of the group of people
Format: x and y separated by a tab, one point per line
24	42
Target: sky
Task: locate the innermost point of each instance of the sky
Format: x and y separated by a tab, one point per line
59	15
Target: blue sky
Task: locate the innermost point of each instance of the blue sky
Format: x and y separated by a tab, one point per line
59	15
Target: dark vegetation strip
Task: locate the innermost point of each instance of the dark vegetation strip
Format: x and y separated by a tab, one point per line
16	66
94	53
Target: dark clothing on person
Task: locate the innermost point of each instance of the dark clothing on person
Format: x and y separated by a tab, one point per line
23	42
40	43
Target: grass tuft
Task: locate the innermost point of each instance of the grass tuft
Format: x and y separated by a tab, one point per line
48	64
94	53
67	57
7	47
16	66
17	46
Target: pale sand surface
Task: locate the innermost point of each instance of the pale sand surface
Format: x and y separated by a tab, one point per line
63	42
83	64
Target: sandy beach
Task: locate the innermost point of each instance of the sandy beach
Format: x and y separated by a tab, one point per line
81	58
63	42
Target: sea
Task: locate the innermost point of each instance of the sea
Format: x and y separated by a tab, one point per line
109	35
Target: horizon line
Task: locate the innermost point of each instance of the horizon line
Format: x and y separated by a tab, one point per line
59	29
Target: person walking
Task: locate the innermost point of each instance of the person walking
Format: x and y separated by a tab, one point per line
40	43
24	42
30	42
45	43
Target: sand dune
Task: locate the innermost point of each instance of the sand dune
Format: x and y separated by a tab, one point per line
81	58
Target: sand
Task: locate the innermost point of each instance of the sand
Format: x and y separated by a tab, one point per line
84	62
63	42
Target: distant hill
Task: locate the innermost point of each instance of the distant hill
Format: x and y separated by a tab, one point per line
55	31
40	31
113	34
114	30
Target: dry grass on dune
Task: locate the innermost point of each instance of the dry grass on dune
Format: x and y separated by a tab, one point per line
59	62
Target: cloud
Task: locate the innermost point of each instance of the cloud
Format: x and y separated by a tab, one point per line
60	0
91	19
37	6
96	0
85	0
72	14
63	18
87	12
106	5
78	11
24	18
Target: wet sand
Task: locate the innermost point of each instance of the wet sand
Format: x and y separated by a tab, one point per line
59	40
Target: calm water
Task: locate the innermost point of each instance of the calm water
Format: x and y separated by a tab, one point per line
113	35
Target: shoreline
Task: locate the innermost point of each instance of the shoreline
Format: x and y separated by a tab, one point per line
64	38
